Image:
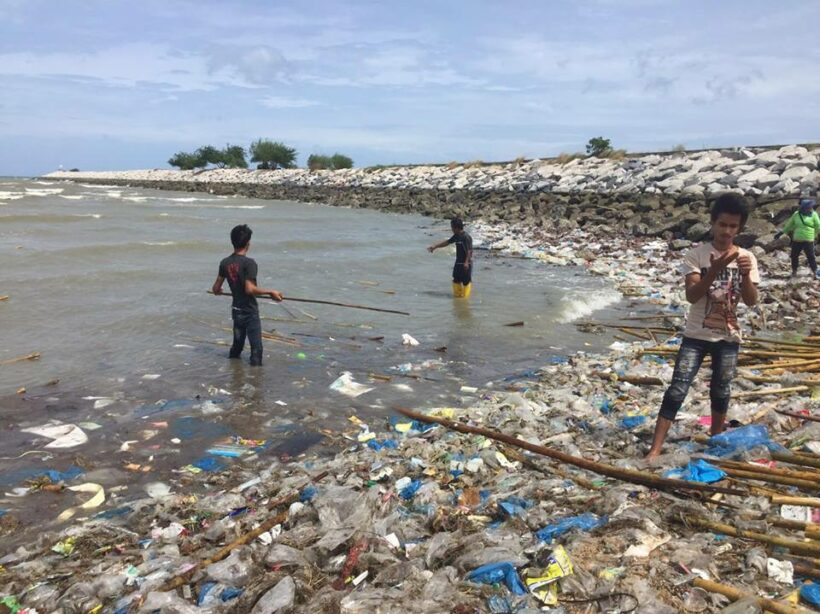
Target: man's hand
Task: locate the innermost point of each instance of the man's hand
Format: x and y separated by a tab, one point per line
217	291
720	263
431	249
277	296
744	263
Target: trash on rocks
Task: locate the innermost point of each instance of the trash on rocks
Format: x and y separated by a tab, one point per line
697	471
583	522
494	573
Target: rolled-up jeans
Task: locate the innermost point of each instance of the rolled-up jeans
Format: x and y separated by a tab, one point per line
687	364
246	323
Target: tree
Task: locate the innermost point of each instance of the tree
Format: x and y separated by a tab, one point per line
335	162
233	156
598	146
318	162
272	154
186	161
339	161
210	155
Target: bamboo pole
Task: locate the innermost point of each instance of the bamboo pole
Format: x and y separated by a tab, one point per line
736	595
801	501
631	379
798	547
758	468
776	379
220	554
795	415
32	356
795	459
557	470
749	394
334	303
626	475
774	479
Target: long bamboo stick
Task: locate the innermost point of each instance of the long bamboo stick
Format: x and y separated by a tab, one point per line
795	415
798	547
32	356
774	479
758	468
626	475
736	595
220	554
748	394
795	459
802	501
631	379
334	303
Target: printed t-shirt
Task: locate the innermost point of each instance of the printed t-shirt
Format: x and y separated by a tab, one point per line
237	269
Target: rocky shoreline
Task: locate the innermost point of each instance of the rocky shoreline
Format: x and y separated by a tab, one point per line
654	195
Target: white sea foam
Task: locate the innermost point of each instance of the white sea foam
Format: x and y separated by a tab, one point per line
98	187
12	195
159	243
71	197
578	305
241	207
43	191
96	216
114	194
136	199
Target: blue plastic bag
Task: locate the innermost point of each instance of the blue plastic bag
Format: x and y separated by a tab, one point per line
740	440
308	493
514	506
410	490
631	422
810	592
697	471
378	445
494	573
585	522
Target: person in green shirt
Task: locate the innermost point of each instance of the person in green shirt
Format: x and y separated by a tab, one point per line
803	227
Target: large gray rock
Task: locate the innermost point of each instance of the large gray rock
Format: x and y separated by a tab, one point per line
796	173
760	177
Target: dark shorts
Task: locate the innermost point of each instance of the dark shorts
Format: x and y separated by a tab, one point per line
462	274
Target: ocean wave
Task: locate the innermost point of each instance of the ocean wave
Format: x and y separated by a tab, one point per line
578	305
71	197
12	195
43	191
98	187
136	199
159	243
239	207
96	216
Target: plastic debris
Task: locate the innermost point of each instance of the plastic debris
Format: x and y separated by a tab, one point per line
63	435
697	471
583	522
345	385
494	573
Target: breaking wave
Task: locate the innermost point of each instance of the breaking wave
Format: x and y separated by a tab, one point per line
577	305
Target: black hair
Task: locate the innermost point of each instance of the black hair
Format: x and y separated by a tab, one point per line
733	204
241	236
457	223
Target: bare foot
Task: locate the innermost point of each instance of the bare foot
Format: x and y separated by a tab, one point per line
651	455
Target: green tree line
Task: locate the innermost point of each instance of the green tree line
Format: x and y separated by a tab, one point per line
265	153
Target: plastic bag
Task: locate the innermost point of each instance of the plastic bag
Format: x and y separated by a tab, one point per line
741	439
697	471
811	593
494	573
585	522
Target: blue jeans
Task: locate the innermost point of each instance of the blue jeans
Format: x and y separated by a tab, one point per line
687	365
246	323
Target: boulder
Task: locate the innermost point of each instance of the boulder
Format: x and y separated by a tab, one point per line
760	177
796	173
698	232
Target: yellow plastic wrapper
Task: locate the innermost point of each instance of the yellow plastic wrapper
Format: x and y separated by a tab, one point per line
544	586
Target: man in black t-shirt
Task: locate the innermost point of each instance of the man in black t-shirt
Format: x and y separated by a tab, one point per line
463	268
240	272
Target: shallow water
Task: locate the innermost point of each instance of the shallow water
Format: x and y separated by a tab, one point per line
109	283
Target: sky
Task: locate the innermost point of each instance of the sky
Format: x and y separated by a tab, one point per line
112	85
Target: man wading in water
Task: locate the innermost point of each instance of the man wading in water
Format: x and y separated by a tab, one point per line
240	271
717	275
463	269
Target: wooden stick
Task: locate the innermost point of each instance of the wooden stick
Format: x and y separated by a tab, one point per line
795	459
748	394
516	455
334	303
244	539
795	415
758	468
626	475
802	501
798	547
736	595
32	356
5	297
632	379
774	479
